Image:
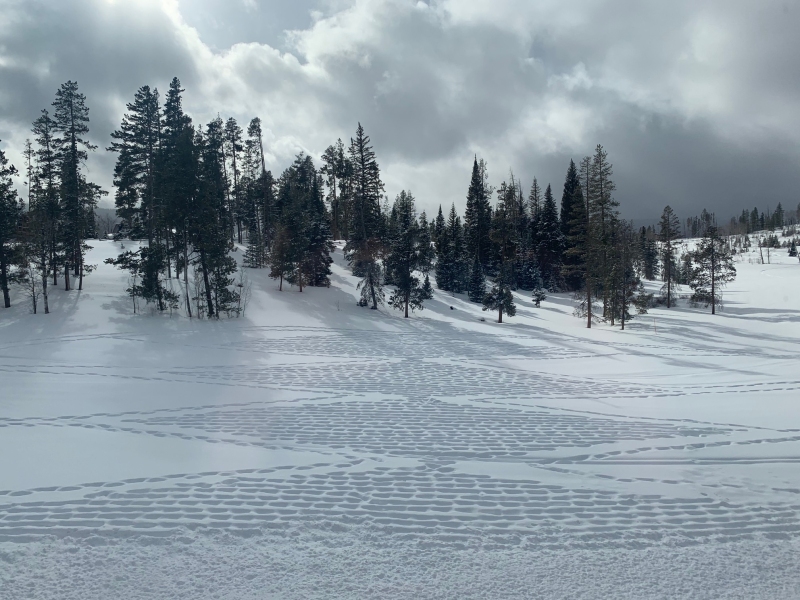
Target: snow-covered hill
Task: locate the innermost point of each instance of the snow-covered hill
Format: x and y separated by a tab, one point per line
312	448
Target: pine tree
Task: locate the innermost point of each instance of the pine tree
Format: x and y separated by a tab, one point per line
437	227
625	285
550	243
407	256
178	182
569	197
539	294
137	144
713	269
210	228
477	282
280	259
71	118
452	268
500	297
648	253
233	147
669	230
583	245
47	202
477	217
304	219
139	199
10	220
427	288
365	246
603	209
337	168
257	196
793	248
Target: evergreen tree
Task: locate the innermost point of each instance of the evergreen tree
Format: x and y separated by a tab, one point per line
535	208
500	297
452	269
137	144
713	269
477	217
47	202
669	230
407	255
233	148
437	227
793	248
10	220
583	245
539	294
427	288
625	285
365	246
71	118
476	291
603	208
338	170
551	243
139	199
304	219
569	197
648	252
178	182
280	259
210	229
252	191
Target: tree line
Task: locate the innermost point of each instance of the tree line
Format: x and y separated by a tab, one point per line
195	194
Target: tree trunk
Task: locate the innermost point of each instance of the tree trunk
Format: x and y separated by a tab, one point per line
407	295
44	281
206	284
66	277
713	283
4	281
500	314
588	301
169	264
186	277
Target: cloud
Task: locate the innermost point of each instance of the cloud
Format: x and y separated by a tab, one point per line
695	102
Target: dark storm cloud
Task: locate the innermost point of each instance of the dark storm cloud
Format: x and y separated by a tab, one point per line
695	102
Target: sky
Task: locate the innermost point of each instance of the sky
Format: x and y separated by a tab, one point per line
696	103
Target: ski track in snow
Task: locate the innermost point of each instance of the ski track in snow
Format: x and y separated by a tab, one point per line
395	459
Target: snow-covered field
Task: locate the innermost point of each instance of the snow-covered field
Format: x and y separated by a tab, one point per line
314	449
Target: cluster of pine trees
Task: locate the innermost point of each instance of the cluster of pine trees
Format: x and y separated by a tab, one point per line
48	241
755	220
196	194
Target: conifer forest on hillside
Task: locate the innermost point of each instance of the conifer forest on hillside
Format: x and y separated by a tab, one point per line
244	384
198	193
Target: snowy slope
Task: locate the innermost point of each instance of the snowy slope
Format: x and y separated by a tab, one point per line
313	448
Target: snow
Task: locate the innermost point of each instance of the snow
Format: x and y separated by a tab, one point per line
315	449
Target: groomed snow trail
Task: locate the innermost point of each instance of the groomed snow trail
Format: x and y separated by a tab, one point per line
314	449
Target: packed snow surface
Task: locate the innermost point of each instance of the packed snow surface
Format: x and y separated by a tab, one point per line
315	449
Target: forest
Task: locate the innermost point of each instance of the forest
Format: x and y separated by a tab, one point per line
196	195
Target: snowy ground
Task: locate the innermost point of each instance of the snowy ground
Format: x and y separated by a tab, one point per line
314	449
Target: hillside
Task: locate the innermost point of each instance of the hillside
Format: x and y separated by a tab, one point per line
313	448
